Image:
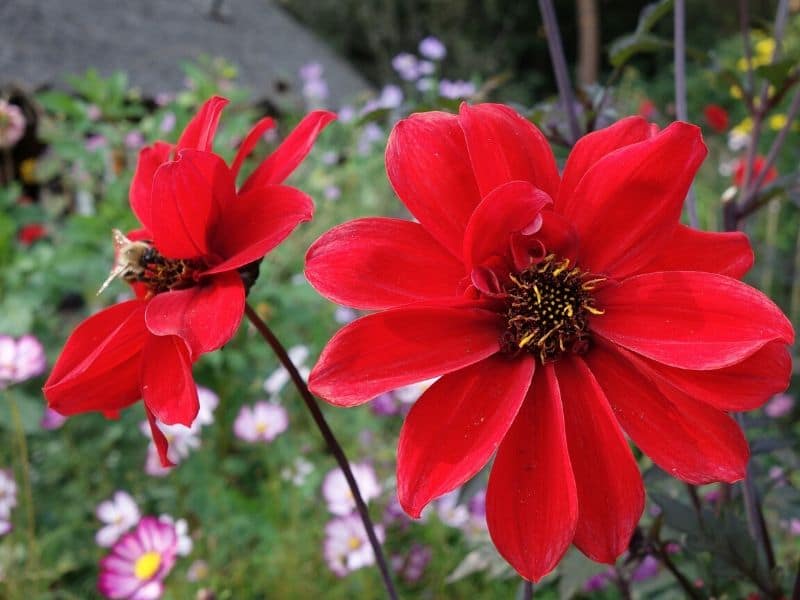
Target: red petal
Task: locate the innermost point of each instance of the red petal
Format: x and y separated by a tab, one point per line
98	370
508	209
531	500
689	319
205	316
159	439
685	437
743	386
504	146
610	490
593	147
456	426
628	204
377	263
692	250
187	198
288	156
199	133
430	171
150	158
256	222
251	139
168	388
401	346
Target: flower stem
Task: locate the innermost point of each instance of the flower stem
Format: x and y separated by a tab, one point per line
527	590
755	516
560	70
24	461
680	91
330	440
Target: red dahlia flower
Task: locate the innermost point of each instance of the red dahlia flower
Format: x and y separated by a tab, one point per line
560	311
716	117
197	232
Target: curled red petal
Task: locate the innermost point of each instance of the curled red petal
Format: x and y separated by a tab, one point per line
376	263
592	148
690	440
689	319
250	141
627	205
401	346
256	222
98	369
531	499
429	167
510	208
159	439
199	133
188	195
609	487
456	426
168	388
688	249
150	159
743	386
204	316
504	146
288	156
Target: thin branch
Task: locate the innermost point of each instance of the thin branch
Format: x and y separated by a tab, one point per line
777	144
527	590
330	439
683	581
680	91
755	517
560	70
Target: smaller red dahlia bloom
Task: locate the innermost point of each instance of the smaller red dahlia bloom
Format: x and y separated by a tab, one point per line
559	311
716	117
184	264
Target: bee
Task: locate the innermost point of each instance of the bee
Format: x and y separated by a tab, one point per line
130	259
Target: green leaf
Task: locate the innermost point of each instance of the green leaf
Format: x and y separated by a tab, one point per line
641	40
652	14
624	48
776	74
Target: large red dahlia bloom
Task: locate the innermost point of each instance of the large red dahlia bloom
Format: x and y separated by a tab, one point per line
197	232
560	311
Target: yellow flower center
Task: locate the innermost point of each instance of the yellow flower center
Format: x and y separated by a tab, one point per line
147	565
354	543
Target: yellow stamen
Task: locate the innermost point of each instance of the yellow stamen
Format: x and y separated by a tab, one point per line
593	310
147	565
592	283
526	339
542	340
568	310
562	267
538	295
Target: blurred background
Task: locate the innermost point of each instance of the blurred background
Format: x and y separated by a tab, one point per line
85	84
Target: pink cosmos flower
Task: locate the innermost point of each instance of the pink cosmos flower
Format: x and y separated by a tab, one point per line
20	359
139	562
780	406
346	547
12	124
337	493
119	514
51	419
8	500
262	422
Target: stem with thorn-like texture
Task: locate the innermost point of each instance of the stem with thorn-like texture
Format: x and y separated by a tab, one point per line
330	440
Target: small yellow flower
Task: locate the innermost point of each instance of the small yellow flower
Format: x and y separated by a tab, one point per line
765	49
777	122
744	127
27	170
736	92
